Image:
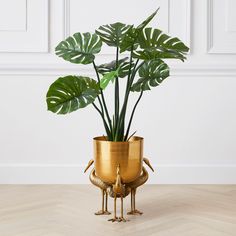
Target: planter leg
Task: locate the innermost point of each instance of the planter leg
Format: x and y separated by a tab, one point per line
134	211
108	213
103	212
131	203
137	212
121	218
115	218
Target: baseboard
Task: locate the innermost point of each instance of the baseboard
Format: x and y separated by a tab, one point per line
73	174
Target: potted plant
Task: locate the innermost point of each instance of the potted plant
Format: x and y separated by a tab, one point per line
118	155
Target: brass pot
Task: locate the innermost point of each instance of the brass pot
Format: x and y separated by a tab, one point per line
128	155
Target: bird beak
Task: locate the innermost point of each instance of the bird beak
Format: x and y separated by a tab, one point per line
147	162
89	164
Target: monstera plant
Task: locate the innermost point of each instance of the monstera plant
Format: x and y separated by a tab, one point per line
143	70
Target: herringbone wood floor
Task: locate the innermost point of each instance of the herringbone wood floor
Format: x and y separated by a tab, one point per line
67	210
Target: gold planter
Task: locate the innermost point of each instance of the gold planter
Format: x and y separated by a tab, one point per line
118	172
109	155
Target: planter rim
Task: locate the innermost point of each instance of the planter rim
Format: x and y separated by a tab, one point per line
132	139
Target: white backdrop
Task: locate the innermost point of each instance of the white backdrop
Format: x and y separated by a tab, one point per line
189	122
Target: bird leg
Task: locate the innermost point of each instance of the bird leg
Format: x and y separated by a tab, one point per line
121	218
115	218
106	203
118	188
103	212
131	203
134	211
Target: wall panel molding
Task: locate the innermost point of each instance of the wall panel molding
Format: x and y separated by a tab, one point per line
40	60
33	37
66	18
220	40
55	69
183	13
13	19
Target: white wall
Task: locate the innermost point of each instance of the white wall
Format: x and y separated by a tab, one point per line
189	122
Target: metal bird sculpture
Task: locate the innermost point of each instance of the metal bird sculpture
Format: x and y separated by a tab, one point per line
118	190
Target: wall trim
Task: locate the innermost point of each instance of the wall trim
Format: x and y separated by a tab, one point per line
61	69
73	174
66	18
212	46
210	26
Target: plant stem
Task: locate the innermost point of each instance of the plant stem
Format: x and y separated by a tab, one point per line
135	69
132	115
103	99
117	97
104	121
99	100
127	92
120	126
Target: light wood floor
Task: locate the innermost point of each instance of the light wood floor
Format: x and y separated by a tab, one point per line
67	210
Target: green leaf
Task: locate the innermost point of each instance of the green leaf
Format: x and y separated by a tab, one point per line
145	23
108	77
113	34
132	34
111	66
155	53
69	93
79	48
155	44
129	40
151	73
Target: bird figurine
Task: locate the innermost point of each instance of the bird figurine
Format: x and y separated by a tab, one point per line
102	185
119	190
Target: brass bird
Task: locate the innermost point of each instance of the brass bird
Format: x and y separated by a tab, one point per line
102	185
133	186
119	190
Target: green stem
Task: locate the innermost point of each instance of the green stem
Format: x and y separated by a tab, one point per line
128	87
117	97
99	100
103	99
120	126
104	121
132	115
131	82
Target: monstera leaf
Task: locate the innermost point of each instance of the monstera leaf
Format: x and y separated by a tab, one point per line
79	48
156	53
132	34
110	76
70	93
111	66
145	23
151	73
113	34
155	44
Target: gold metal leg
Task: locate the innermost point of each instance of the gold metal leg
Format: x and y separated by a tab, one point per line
121	218
115	218
103	212
134	211
106	203
131	203
115	207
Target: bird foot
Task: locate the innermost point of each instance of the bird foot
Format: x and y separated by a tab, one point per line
101	212
122	219
118	219
134	212
114	219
